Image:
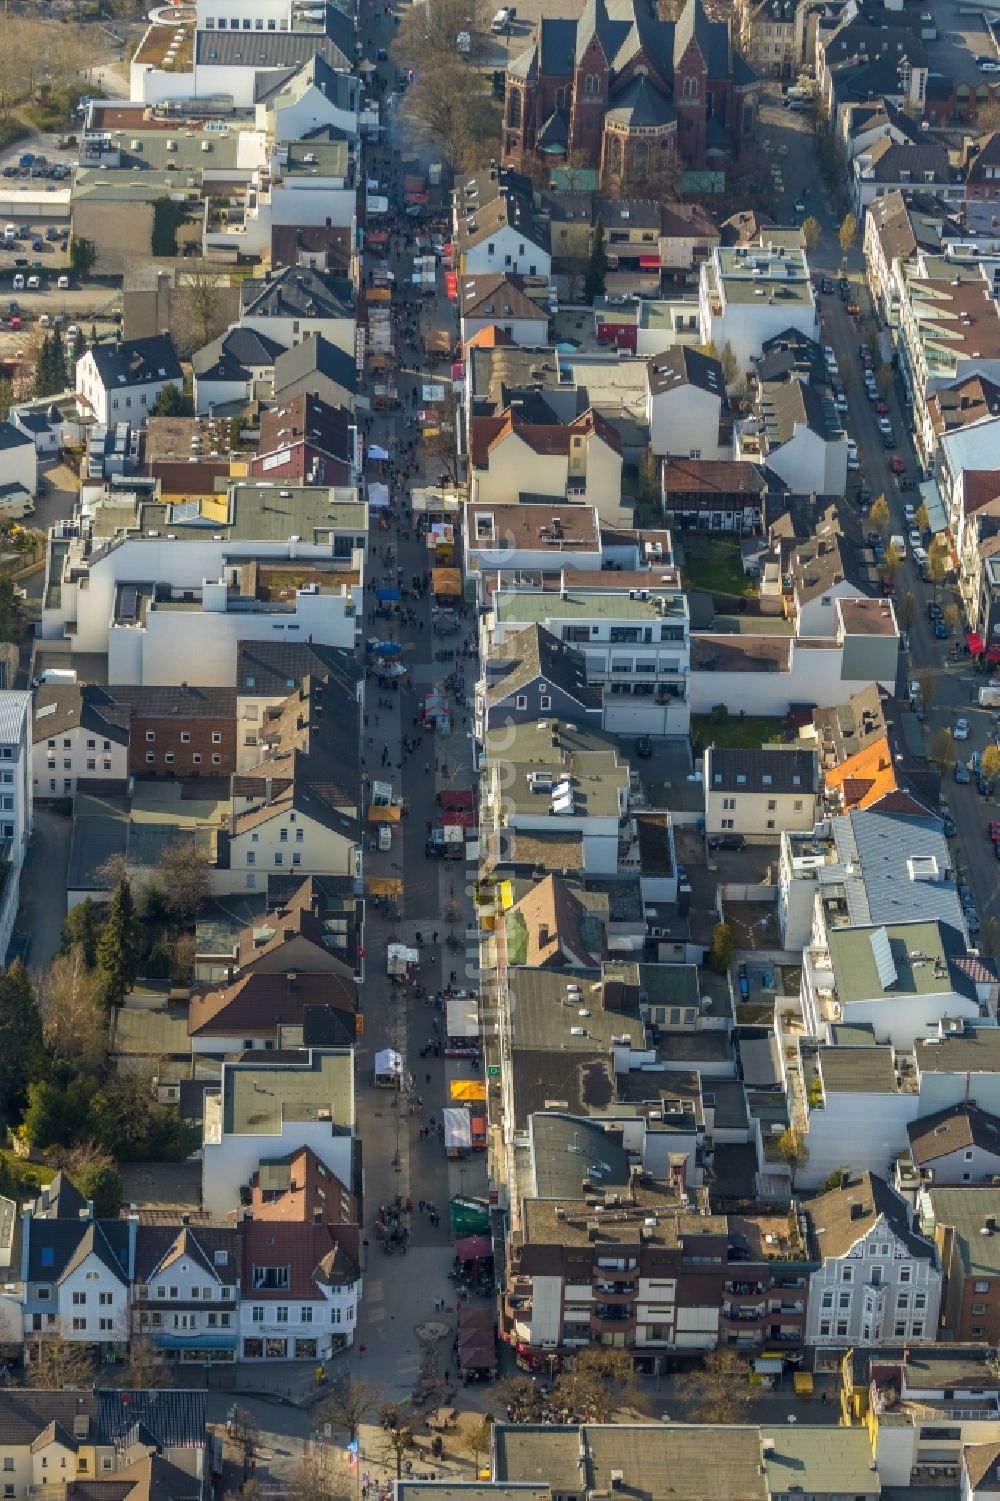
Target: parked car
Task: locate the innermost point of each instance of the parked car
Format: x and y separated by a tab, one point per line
961	729
898	465
726	841
961	773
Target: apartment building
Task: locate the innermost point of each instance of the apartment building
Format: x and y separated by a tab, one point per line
878	1279
748	294
759	793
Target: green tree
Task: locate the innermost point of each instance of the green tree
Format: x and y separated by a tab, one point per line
80	930
44	369
720	955
943	750
169	403
597	266
56	1112
720	1391
82	256
906	611
6	397
879	515
847	233
95	1175
127	1120
79	348
812	233
118	947
21	1054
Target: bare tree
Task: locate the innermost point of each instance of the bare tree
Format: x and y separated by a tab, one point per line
349	1404
944	753
597	1384
184	872
477	1439
197	307
56	1362
144	1370
720	1391
398	1436
74	1017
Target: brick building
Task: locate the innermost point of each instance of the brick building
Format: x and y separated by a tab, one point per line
622	90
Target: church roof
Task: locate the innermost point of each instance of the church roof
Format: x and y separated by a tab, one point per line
526	65
641	104
554	132
712	38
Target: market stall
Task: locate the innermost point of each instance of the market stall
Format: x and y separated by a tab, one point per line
388	1069
477	1345
457	1132
462	1028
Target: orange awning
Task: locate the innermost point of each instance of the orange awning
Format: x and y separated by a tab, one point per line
446	581
382	814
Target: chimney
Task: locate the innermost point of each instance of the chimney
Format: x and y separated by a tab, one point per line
185	1219
845	1179
292	981
45	1200
543	934
857	1211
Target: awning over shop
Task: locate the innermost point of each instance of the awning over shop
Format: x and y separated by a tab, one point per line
377	452
384	886
930	495
388	1061
378	496
473	1247
974	642
467	1089
384	815
446	581
649	262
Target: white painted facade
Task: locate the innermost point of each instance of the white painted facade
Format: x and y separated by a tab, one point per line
507	250
91	1305
808	462
742	301
877	1293
122	404
16	799
58	763
816	674
18	458
297	1329
292	331
684	422
205	630
183	1305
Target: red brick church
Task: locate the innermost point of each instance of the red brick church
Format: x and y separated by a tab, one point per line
618	87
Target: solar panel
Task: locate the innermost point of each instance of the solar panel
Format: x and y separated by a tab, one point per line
882	954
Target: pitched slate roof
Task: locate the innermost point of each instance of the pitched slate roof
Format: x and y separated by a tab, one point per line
314	356
258	1004
763	770
272	669
297	292
136	362
176	1417
836	1229
953	1130
640	104
535	653
11	437
159	1247
681	366
234	354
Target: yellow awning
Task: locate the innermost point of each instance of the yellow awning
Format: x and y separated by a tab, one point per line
380	813
384	886
466	1090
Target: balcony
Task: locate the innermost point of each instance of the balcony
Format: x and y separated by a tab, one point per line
745	1289
735	1314
605	1274
614	1295
608	1316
